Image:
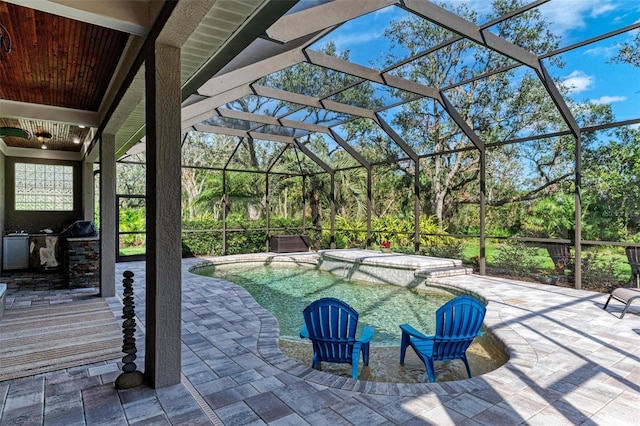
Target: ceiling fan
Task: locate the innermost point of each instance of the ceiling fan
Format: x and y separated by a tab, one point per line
14	132
42	136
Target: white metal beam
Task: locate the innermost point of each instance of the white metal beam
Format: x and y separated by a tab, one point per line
314	19
201	110
312	102
250	73
270	120
337	64
453	22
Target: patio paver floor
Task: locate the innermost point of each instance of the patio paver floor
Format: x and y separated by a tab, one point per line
571	363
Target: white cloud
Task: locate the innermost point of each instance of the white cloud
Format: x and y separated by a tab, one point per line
347	41
566	16
602	51
602	9
577	82
606	100
385	11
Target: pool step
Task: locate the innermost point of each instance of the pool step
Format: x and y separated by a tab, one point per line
446	271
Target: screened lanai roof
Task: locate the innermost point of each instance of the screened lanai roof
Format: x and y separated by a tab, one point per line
328	69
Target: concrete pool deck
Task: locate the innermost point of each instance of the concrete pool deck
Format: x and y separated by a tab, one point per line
571	363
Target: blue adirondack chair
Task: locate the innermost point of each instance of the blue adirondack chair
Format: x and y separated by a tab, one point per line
331	325
458	322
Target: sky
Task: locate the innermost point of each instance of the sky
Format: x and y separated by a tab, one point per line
586	72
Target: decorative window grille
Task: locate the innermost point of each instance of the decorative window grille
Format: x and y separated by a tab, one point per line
44	187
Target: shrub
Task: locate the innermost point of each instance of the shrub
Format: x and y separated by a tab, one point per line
321	240
389	228
132	220
598	272
438	245
448	247
516	258
204	237
353	231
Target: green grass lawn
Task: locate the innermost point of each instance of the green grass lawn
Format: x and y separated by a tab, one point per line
604	254
473	249
130	251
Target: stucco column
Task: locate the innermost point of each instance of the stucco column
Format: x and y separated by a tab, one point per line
163	112
107	215
88	196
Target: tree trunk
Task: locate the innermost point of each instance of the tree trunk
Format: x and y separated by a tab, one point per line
316	211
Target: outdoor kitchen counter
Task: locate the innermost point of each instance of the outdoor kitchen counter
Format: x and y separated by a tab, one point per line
82	260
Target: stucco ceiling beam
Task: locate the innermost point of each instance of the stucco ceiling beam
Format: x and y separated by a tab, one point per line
132	17
29	111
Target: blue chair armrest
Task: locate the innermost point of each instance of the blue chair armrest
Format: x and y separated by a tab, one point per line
406	328
367	334
304	333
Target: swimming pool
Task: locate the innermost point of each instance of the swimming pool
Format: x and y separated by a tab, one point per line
285	290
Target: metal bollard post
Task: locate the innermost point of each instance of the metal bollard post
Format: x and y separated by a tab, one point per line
130	377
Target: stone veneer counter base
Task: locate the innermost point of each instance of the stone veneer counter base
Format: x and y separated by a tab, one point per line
82	259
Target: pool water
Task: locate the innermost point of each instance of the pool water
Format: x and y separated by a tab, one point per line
286	290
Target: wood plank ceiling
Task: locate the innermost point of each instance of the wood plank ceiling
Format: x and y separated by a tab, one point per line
59	62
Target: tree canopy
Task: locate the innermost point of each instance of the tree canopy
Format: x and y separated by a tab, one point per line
512	120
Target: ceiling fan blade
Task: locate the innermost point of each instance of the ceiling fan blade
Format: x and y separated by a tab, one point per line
13	132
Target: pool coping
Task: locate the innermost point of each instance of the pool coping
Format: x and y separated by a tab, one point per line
522	356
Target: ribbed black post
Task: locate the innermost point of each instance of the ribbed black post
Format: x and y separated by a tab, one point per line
130	377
